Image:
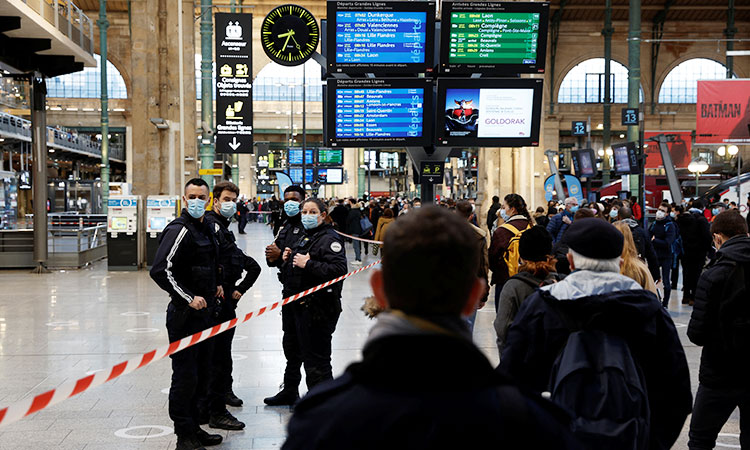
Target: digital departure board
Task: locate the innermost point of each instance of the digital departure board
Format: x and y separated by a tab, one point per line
502	38
295	157
330	156
379	112
489	112
388	37
295	173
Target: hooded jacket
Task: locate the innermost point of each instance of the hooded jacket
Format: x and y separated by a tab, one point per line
616	304
718	367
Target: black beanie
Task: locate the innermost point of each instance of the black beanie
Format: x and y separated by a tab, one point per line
594	238
535	244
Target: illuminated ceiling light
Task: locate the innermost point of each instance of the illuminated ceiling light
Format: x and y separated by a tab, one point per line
733	150
721	151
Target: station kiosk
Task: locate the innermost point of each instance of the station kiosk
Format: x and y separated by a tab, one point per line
160	210
124	233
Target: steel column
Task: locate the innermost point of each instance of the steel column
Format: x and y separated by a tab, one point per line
607	122
207	151
39	148
729	33
554	38
634	73
103	24
235	156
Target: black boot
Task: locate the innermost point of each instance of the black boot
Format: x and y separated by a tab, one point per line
208	439
287	397
225	421
232	400
188	443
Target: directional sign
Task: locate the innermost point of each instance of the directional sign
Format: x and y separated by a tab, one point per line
210	172
579	128
431	172
234	94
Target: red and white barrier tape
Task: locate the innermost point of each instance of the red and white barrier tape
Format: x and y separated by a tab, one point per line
17	411
370	241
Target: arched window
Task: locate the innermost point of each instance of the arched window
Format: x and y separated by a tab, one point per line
279	83
584	83
87	84
681	84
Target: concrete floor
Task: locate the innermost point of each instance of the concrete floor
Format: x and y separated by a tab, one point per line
57	327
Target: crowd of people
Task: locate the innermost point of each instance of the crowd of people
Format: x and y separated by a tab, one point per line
589	355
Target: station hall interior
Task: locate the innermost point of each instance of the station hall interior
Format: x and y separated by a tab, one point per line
127	100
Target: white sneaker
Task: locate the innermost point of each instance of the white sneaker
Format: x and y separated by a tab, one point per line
356	262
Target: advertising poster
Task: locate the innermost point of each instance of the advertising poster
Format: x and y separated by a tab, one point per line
723	112
489	113
680	149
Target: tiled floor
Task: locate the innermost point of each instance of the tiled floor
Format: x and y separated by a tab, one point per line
58	327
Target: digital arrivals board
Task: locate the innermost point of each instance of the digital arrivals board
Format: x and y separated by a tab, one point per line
379	112
380	37
489	112
330	156
502	38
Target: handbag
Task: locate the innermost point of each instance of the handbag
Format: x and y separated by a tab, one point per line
366	225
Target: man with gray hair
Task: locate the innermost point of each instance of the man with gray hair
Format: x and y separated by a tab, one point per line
560	222
599	345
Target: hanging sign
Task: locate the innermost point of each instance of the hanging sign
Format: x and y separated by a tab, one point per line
234	71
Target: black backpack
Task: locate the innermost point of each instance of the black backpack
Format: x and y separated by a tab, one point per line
734	310
597	379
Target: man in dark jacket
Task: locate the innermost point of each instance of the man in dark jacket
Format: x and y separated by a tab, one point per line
642	243
663	234
492	213
338	215
696	242
560	222
721	308
422	383
598	298
354	228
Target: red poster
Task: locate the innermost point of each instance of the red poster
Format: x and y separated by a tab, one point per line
680	149
723	112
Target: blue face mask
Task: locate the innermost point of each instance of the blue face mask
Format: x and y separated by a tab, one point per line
228	209
504	215
291	208
196	207
716	211
574	209
613	213
310	221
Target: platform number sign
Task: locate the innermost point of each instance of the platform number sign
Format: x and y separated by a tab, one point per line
431	172
579	128
629	116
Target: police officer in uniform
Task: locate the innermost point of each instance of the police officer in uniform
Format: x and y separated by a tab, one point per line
186	267
309	323
233	262
289	234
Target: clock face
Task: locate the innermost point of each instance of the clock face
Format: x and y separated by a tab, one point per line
290	35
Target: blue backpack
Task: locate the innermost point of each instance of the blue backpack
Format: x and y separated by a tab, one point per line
596	378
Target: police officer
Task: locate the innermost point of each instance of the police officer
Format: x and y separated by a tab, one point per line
309	323
233	262
186	267
289	234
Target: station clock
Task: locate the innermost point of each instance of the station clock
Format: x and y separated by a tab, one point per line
290	35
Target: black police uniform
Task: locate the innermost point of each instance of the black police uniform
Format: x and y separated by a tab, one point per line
233	262
186	266
309	323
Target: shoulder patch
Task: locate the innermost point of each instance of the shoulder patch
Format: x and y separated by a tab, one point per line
216	227
336	246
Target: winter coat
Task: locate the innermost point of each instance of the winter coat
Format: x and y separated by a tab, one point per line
556	226
499	245
338	215
492	214
383	225
719	368
484	266
616	304
517	289
353	227
664	233
424	391
696	234
645	248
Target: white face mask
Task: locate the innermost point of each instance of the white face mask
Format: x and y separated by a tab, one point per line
660	215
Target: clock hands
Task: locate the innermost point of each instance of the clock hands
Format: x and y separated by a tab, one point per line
288	35
296	43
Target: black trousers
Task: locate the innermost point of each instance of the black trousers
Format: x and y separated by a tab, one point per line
191	368
221	365
676	271
666	267
712	409
692	266
241	224
308	330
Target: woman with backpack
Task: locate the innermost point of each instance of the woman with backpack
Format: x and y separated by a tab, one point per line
537	269
504	242
663	234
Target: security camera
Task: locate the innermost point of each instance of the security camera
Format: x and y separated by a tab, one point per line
206	129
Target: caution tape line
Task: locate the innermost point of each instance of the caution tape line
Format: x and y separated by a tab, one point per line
18	410
359	238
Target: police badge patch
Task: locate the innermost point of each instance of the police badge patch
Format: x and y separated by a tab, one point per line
336	247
